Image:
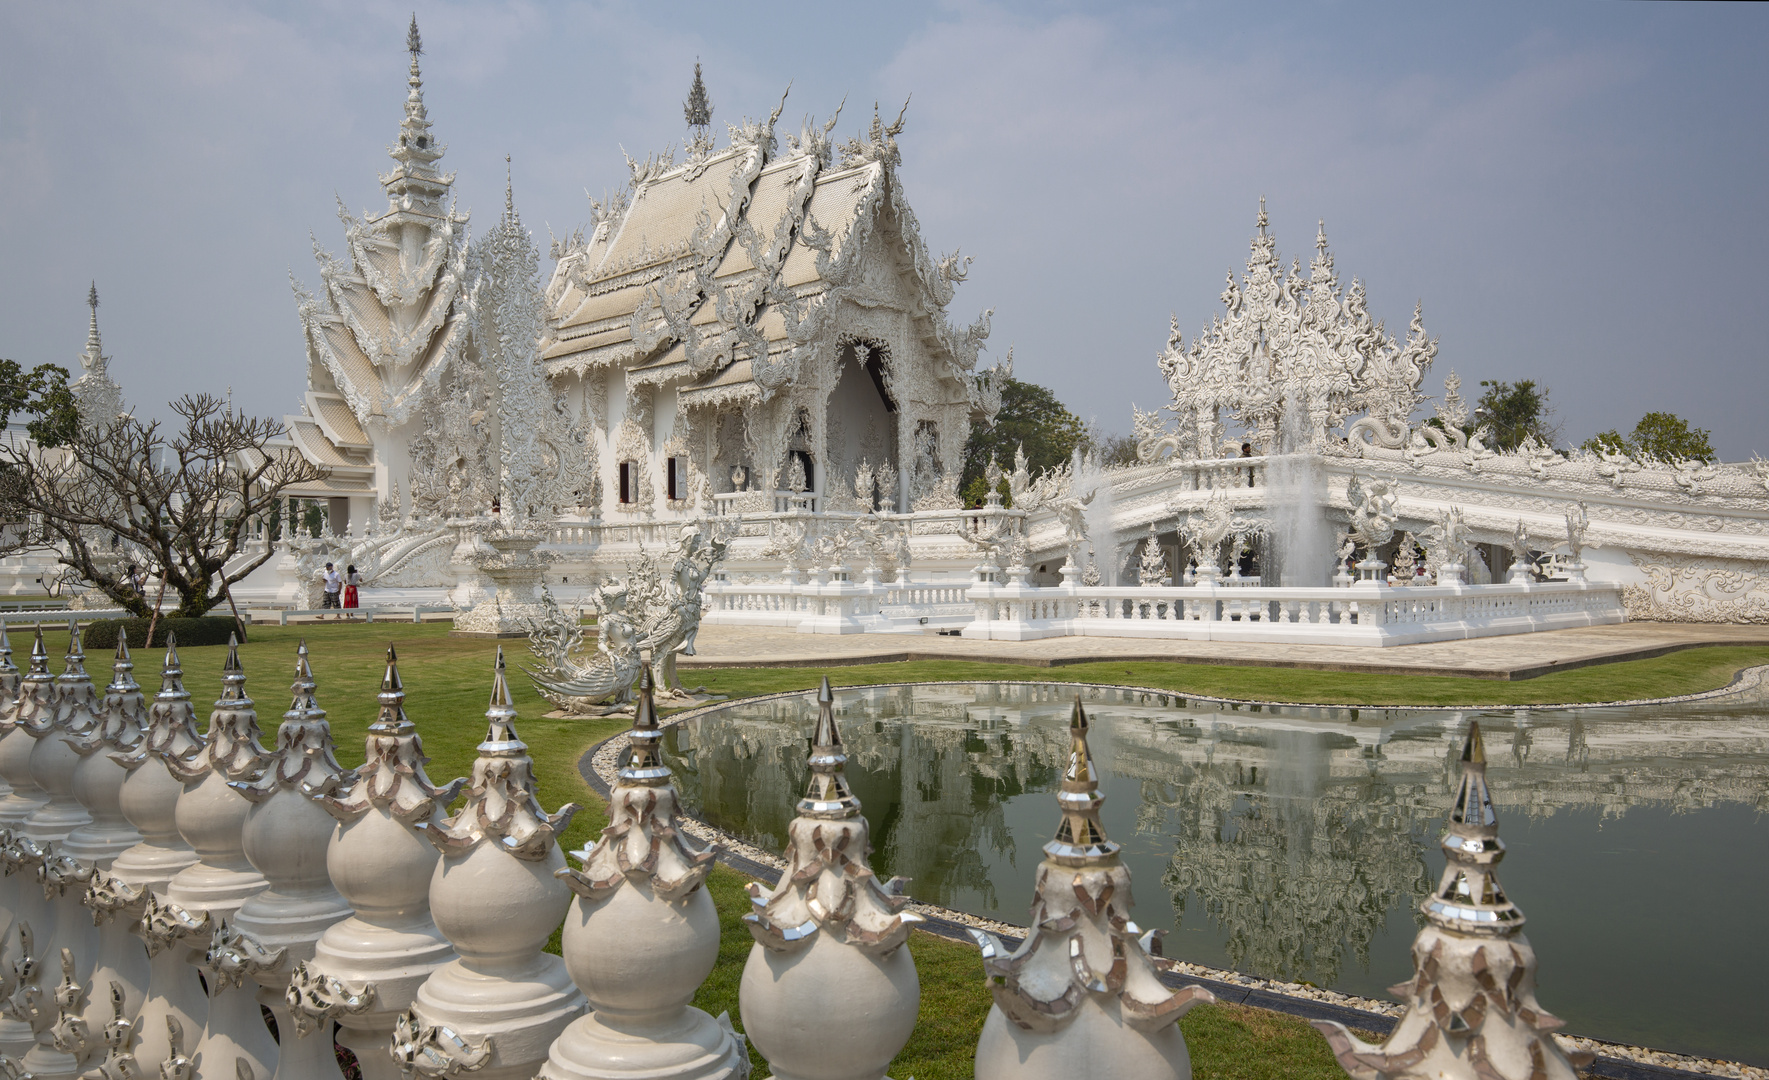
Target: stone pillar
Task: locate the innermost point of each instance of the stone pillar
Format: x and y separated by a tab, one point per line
494	1011
1471	1004
285	837
1080	997
829	954
642	935
366	970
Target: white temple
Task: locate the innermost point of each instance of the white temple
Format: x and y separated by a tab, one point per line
756	338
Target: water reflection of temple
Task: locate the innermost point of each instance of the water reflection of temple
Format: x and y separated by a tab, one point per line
1296	831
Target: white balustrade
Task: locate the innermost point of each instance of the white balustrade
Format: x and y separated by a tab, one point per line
1364	614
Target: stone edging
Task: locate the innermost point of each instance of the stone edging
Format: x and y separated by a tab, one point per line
1619	1061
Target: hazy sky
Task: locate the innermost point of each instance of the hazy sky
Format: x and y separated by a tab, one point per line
1575	190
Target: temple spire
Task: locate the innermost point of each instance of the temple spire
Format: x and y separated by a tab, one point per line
698	111
416	185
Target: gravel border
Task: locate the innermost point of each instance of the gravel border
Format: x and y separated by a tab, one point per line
1615	1061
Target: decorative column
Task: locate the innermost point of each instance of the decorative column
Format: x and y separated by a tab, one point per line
1080	997
285	837
149	801
829	954
34	918
202	898
1471	1004
366	970
496	1010
642	935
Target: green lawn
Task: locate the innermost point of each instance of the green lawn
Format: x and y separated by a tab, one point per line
447	681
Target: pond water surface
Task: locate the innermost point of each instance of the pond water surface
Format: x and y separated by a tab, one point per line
1296	844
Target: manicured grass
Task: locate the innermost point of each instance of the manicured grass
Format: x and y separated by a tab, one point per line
447	682
1686	672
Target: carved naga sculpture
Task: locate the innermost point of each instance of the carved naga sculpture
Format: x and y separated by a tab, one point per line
578	687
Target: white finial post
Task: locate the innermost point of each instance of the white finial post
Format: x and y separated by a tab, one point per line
1080	997
1471	1004
495	895
366	970
829	953
642	935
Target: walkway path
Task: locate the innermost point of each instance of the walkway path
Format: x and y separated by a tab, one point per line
1521	656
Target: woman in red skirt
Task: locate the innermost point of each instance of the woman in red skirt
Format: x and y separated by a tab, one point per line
351	580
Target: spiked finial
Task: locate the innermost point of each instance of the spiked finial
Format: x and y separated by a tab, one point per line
1080	838
92	297
303	707
413	43
76	657
233	676
509	191
171	674
123	667
1320	237
1469	898
829	795
644	766
39	655
6	664
1263	220
501	739
392	719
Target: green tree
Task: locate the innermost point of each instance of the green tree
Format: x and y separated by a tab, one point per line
1516	411
1030	416
41	393
1662	435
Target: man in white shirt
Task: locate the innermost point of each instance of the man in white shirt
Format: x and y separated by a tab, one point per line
334	582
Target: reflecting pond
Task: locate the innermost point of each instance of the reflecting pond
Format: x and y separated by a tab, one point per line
1296	843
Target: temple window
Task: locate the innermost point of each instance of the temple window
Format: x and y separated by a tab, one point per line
626	482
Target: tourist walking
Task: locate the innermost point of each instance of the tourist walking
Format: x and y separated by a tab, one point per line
331	583
352	580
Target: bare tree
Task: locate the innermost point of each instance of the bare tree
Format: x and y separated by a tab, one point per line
182	505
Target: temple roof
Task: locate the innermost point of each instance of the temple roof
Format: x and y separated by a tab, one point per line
702	271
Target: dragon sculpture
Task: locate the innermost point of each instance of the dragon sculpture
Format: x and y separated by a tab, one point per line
656	611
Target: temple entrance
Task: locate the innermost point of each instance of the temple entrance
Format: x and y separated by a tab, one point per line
862	420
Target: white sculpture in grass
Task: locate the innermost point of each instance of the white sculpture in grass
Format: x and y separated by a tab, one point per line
1080	996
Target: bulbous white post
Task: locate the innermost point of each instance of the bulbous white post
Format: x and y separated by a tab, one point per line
117	724
366	970
1080	997
829	954
211	817
1471	1012
53	763
149	801
20	795
642	935
285	837
34	709
121	961
495	1011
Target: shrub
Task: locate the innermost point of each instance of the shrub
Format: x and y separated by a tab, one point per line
208	630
